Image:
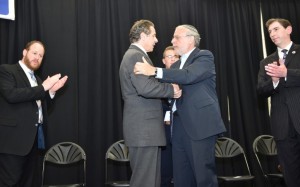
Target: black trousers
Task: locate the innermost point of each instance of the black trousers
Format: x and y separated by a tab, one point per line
289	157
20	171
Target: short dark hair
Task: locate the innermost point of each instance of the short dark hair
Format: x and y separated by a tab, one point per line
29	44
285	23
139	27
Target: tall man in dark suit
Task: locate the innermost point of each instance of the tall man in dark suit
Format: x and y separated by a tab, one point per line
197	118
279	78
23	113
142	115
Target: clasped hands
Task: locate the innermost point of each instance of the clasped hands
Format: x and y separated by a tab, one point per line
144	68
276	71
177	91
54	83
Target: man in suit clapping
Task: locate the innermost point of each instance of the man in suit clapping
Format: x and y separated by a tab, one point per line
279	78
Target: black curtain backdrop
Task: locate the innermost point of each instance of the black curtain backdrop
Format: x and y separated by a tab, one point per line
86	40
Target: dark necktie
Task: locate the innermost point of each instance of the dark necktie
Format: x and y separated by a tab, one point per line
41	138
284	51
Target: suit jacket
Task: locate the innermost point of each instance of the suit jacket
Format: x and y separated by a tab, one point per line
142	114
19	110
198	107
285	99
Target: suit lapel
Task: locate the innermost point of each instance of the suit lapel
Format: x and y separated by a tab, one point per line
273	57
148	60
38	79
292	52
190	58
145	54
176	65
22	74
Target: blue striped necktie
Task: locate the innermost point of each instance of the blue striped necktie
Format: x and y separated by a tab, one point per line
284	51
40	133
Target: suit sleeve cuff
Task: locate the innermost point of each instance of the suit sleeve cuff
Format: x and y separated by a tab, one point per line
159	74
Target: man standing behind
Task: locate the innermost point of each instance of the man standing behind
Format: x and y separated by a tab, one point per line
23	113
142	114
279	77
197	119
169	57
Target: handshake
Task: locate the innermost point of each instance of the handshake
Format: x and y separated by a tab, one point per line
54	83
177	91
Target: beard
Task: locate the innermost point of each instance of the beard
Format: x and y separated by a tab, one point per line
29	65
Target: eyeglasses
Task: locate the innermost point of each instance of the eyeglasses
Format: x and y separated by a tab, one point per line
171	56
178	37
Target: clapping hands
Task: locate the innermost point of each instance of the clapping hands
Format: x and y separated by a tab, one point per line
276	70
54	83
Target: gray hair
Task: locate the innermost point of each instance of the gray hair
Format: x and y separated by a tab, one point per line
192	31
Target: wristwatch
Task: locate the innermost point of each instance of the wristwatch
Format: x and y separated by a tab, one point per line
155	72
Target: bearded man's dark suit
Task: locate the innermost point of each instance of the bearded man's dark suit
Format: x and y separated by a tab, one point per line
19	112
197	120
285	105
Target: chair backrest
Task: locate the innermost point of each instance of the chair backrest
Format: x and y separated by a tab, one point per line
119	152
228	148
65	153
265	144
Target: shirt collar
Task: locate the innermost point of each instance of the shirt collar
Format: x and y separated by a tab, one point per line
139	46
25	68
186	55
287	47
